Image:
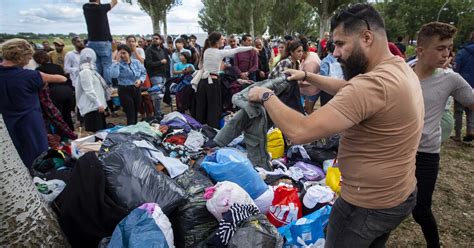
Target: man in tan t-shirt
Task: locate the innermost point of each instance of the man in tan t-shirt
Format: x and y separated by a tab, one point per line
379	112
57	56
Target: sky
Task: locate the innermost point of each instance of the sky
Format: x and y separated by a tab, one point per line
66	16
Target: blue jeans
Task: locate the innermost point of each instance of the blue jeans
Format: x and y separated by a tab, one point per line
103	51
157	80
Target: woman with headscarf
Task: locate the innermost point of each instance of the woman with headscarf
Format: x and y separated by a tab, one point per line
19	101
90	93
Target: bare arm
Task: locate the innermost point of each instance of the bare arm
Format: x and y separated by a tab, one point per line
49	78
113	3
298	128
327	84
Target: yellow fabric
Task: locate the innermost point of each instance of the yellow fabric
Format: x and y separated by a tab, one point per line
276	144
333	179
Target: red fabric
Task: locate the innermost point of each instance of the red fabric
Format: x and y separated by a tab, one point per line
394	50
286	206
323	44
312	49
176	139
275	51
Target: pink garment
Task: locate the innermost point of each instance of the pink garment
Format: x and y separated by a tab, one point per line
310	64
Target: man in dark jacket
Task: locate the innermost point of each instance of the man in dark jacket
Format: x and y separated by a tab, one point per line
157	61
464	65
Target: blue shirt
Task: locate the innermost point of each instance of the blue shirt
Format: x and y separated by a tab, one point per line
180	66
464	63
330	67
127	74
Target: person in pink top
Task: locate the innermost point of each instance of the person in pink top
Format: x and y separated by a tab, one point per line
309	63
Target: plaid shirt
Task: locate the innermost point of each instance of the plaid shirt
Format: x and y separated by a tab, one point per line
52	115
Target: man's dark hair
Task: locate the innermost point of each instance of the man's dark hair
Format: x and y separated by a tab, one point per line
304	41
431	30
288	38
41	57
74	39
156	34
400	38
180	40
246	36
193	37
131	36
126	48
187	56
356	17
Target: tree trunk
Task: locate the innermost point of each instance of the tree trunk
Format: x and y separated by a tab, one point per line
156	17
323	13
252	25
165	24
26	219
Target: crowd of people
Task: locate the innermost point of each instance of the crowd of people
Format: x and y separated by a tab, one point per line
387	107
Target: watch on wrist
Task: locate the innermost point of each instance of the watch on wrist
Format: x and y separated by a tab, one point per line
267	95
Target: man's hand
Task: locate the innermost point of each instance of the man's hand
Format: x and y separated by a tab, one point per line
164	61
255	93
101	109
244	75
294	74
262	74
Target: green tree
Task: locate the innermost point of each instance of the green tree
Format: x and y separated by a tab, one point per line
234	16
157	10
212	17
325	9
291	17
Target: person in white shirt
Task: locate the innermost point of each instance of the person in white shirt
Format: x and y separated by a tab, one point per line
71	60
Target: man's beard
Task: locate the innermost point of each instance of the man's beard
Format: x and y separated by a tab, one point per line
354	65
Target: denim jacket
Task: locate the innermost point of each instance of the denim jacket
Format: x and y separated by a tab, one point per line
127	74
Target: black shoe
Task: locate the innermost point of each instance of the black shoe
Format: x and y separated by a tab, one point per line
468	138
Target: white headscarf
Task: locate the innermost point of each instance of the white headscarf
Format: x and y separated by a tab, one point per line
87	61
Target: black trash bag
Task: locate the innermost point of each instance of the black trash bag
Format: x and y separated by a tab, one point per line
86	212
256	232
114	139
319	155
192	223
133	180
328	143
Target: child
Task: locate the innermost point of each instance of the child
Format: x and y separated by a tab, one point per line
183	67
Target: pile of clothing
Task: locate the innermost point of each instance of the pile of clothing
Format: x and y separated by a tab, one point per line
170	179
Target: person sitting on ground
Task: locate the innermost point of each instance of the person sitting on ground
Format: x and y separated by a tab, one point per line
433	48
130	74
379	112
183	67
19	101
289	60
90	93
